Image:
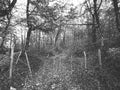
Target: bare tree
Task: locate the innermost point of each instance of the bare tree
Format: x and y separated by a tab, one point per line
94	11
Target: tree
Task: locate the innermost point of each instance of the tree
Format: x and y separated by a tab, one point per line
6	11
40	11
5	31
94	11
29	25
116	10
5	22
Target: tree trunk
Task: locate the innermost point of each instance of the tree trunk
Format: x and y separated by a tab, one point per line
64	38
39	40
2	43
96	23
57	35
28	39
29	27
4	33
94	37
116	9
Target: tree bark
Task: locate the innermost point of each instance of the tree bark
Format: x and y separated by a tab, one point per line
57	35
96	22
28	39
94	37
29	26
116	9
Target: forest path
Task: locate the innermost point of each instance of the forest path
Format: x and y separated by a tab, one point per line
54	74
48	72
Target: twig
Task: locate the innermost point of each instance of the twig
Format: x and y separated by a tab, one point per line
99	5
18	57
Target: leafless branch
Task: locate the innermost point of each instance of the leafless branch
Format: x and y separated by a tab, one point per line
100	5
89	7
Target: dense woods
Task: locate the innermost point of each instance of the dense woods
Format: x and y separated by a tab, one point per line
58	45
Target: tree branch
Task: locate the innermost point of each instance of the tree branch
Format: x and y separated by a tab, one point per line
99	5
7	10
89	7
